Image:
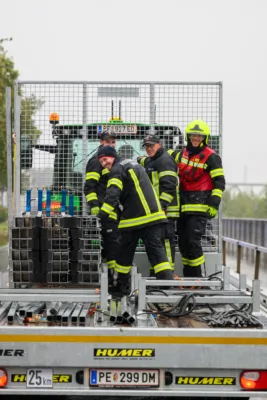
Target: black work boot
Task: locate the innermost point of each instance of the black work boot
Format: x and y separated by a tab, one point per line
192	272
122	286
166	275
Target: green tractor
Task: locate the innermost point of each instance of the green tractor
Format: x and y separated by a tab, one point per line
75	144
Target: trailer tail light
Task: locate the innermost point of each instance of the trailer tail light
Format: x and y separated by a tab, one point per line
3	378
254	380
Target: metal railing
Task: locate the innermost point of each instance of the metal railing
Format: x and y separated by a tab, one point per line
248	230
239	245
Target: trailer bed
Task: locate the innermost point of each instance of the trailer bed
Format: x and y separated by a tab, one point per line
97	336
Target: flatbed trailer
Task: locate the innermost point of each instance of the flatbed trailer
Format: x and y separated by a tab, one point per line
63	333
136	348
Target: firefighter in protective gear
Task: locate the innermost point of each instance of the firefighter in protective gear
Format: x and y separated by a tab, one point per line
142	215
201	184
162	172
95	191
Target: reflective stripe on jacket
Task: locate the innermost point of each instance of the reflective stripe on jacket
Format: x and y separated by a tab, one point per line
162	172
201	180
129	184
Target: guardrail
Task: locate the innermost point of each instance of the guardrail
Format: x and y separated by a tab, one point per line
258	250
250	230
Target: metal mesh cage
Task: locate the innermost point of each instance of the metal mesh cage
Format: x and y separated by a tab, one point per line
58	125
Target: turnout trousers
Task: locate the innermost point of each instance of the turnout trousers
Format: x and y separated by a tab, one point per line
169	244
111	239
190	229
153	237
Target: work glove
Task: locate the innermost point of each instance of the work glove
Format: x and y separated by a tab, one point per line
212	212
95	210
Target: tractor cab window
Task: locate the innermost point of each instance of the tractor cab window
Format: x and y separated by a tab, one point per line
126	148
71	169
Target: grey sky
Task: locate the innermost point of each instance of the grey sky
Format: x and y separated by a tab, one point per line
170	40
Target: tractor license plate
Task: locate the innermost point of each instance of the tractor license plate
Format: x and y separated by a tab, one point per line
40	378
124	378
119	129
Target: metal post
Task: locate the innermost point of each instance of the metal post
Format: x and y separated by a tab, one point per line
9	152
85	140
224	251
104	288
226	278
257	264
239	255
256	297
141	293
262	238
243	282
152	104
220	152
254	239
9	159
17	164
133	278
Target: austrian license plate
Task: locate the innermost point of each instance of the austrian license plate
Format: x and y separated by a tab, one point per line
119	129
40	378
124	378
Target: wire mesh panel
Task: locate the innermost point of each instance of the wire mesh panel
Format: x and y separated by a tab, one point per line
58	126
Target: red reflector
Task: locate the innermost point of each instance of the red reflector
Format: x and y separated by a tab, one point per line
254	380
3	378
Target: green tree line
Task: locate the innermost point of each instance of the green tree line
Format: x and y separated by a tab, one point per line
8	75
243	204
29	107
